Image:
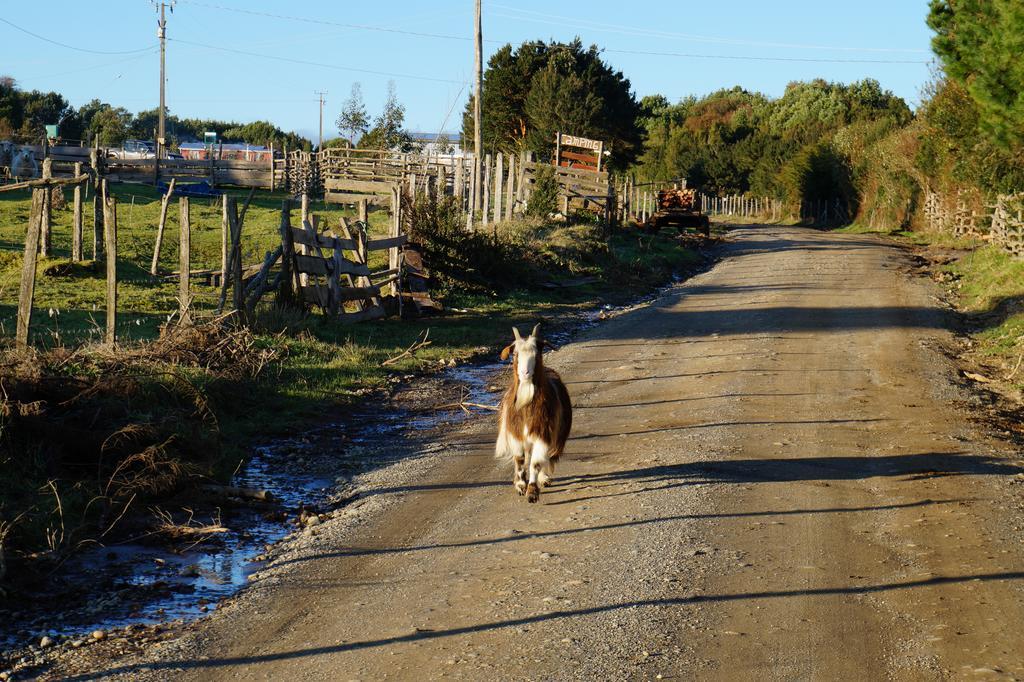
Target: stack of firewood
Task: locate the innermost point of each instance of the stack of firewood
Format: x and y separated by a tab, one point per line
685	199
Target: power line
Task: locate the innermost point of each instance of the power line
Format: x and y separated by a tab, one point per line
325	22
71	47
602	27
134	58
320	64
769	59
632	30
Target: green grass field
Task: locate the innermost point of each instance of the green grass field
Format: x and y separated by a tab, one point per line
69	297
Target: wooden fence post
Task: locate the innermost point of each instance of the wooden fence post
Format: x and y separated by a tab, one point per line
236	257
475	184
510	199
110	255
286	295
361	215
76	219
225	230
184	264
28	270
486	190
303	219
44	241
396	230
499	170
97	207
160	227
458	190
271	167
471	213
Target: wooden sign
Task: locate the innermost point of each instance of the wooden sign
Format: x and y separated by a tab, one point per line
589	159
581	142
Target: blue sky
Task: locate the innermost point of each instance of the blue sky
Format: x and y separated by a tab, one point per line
675	49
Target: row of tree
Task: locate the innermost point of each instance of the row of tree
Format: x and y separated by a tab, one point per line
24	115
736	141
857	142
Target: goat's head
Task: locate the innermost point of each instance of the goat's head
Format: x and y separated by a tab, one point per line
526	358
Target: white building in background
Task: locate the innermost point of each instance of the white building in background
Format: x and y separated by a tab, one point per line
440	145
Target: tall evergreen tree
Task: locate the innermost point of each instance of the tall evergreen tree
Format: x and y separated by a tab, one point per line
538	89
980	43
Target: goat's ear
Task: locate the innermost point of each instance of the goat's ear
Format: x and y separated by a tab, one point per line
536	330
506	350
515	333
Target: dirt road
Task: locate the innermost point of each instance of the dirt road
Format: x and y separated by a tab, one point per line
773	475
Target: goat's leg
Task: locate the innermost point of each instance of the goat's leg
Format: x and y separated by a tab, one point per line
547	474
519	463
538	463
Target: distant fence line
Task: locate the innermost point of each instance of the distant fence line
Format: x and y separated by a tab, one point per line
344	175
967	214
638	204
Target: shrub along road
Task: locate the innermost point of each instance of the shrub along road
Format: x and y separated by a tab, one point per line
774	474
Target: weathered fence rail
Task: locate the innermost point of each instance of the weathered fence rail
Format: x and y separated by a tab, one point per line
967	214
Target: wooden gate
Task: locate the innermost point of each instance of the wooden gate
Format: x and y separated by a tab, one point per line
333	279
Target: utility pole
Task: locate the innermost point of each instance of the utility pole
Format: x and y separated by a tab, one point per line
321	143
161	33
478	108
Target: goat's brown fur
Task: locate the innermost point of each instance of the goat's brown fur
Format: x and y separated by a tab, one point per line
548	417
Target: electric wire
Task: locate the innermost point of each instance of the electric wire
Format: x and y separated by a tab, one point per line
304	62
631	30
325	22
72	47
606	27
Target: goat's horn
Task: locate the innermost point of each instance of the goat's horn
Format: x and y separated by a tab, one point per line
515	332
536	328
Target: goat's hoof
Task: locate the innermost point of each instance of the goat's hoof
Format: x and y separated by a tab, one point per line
532	493
544	481
520	487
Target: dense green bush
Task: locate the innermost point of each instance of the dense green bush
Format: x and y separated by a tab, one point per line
544	198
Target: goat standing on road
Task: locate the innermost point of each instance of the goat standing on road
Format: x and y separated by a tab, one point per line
535	416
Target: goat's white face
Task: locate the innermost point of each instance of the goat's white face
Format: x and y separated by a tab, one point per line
526	358
526	363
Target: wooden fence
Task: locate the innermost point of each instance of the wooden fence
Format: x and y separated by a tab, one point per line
348	175
506	181
638	201
310	266
967	214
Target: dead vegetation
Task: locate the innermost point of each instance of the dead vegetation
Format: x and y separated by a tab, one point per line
88	433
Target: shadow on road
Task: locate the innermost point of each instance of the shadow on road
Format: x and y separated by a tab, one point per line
426	635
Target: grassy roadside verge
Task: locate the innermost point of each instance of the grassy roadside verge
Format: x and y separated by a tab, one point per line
986	284
87	435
